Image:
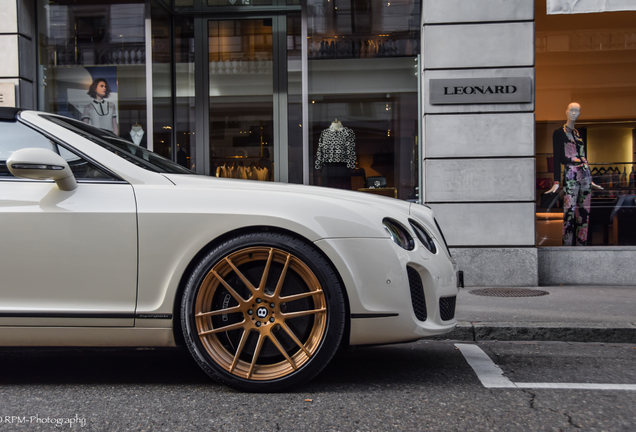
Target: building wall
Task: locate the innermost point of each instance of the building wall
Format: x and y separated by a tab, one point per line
17	51
479	159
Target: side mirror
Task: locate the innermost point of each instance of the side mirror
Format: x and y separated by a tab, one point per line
42	164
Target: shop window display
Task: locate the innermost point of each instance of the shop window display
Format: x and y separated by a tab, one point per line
584	63
363	95
92	66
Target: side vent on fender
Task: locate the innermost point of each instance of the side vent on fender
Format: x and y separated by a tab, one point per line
447	308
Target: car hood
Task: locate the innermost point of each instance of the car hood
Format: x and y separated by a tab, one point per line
200	181
314	212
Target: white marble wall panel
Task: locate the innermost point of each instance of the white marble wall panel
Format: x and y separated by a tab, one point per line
491	266
475	73
456	11
9	66
581	265
499	224
479	135
8	16
478	45
471	180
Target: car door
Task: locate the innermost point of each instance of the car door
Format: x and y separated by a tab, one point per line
68	258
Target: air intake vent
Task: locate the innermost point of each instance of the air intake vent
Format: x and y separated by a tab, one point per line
417	294
447	308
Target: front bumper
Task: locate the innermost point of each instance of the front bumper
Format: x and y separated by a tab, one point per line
383	307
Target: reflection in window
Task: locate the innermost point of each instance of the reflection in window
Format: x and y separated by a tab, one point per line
83	41
363	87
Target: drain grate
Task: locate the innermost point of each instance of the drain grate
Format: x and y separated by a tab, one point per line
508	292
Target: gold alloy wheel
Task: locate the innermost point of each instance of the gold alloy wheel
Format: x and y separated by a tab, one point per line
260	329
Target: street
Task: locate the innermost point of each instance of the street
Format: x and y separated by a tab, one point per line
426	385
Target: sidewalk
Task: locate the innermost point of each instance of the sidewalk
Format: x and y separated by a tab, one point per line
567	313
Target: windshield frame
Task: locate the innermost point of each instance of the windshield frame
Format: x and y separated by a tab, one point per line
127	150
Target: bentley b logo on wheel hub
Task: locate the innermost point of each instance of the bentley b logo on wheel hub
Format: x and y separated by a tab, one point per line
261	312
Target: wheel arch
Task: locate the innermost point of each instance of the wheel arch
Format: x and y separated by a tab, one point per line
176	312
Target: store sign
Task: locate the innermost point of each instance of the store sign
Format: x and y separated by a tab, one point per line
588	6
7	95
466	91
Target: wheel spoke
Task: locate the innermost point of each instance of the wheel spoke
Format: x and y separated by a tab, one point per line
227	286
295	339
291	298
257	352
223	329
239	350
281	279
220	312
247	283
282	350
261	286
303	313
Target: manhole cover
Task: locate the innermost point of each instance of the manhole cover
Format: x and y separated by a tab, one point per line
508	292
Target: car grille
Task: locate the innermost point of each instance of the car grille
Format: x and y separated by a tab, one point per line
447	308
417	293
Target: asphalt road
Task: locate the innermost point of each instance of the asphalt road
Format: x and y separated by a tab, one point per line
427	385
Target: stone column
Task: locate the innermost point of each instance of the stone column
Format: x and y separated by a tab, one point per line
17	50
479	166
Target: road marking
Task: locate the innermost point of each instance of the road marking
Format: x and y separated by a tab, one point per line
491	375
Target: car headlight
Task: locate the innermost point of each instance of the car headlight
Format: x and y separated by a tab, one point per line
424	236
398	234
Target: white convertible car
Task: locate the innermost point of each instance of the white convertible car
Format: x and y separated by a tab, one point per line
106	244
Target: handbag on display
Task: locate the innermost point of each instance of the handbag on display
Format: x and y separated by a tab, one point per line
550	160
376	182
549	200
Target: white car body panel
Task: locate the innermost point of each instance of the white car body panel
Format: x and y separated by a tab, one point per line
84	243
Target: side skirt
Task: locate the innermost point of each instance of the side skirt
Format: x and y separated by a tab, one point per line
86	337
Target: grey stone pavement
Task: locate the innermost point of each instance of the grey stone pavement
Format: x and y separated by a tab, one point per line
566	313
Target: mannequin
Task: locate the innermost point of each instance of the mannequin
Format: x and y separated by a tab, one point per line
336	155
136	133
101	113
571	151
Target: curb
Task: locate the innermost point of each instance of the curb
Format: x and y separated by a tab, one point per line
558	332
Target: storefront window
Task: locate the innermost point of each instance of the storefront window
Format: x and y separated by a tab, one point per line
241	101
162	103
185	103
92	63
587	59
363	95
294	99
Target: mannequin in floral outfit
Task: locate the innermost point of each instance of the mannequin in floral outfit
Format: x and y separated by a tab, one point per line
571	150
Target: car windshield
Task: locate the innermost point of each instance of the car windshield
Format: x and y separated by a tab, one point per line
125	149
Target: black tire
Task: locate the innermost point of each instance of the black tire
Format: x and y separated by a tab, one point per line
293	318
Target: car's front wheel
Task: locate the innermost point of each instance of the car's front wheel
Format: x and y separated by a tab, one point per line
262	312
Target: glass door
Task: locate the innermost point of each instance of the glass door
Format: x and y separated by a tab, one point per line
241	68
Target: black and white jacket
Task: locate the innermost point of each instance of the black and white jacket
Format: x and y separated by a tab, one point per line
336	145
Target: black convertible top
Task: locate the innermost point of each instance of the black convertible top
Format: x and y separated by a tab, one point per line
9	113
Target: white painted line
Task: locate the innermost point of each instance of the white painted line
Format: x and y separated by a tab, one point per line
491	375
577	386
